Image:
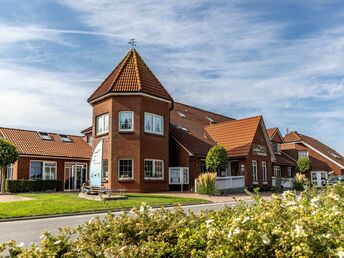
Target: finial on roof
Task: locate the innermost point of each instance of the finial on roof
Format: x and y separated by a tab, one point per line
287	130
132	42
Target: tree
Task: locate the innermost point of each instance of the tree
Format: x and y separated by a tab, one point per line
8	155
304	165
217	159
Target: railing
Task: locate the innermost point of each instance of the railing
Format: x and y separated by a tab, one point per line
230	182
285	182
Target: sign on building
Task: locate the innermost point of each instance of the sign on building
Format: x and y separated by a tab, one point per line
96	166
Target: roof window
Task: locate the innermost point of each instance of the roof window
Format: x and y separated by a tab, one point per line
181	114
183	128
210	119
65	138
45	136
335	155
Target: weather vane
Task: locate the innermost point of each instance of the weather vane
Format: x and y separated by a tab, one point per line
132	42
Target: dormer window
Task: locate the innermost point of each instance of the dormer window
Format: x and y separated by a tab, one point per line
181	114
276	147
210	119
65	138
45	136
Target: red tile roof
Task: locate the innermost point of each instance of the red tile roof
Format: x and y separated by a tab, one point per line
195	139
319	146
284	159
271	131
235	136
131	75
30	143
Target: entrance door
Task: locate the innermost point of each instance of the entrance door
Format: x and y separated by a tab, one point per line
75	176
319	178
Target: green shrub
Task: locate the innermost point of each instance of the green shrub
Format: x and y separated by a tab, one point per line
284	226
217	159
206	183
304	165
23	185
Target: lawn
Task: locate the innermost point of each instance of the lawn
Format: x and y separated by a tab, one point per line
60	203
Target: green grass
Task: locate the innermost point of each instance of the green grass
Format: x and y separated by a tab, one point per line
61	203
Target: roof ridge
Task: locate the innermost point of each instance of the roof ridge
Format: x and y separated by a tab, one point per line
322	144
238	120
201	109
36	131
137	70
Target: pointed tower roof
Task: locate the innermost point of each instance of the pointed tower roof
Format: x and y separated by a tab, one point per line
131	75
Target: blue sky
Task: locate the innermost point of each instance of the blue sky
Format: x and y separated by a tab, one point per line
282	59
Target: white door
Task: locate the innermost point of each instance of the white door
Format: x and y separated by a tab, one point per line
318	178
75	176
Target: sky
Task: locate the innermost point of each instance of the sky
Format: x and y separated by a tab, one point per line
281	59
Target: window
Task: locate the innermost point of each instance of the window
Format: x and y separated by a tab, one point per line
277	171
303	154
290	172
126	121
45	136
265	177
65	138
125	169
203	166
154	123
254	171
105	170
210	119
154	169
89	139
42	170
49	171
102	124
181	114
10	171
276	147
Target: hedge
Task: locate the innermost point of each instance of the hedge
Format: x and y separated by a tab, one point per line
311	225
23	185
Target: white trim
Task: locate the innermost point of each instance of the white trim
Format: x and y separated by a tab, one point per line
51	157
190	154
317	151
132	170
108	125
43	168
153	178
154	117
266	171
256	166
119	121
267	140
64	173
129	94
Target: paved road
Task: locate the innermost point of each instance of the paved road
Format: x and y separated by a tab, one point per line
29	231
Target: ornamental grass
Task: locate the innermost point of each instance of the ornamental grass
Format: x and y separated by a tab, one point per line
206	183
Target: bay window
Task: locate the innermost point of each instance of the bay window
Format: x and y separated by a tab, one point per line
154	169
126	121
154	123
125	169
102	124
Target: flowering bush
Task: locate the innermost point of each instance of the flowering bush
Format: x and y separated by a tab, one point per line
206	183
311	225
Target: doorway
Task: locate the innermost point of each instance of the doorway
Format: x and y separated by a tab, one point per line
318	178
75	176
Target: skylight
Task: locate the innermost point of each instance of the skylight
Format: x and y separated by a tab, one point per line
335	155
183	128
45	136
210	119
181	114
65	138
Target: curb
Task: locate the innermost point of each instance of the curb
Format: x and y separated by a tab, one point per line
71	214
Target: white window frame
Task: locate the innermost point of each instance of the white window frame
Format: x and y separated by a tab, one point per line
9	171
132	170
119	121
277	172
43	169
290	171
254	171
154	161
101	119
302	151
264	172
154	116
